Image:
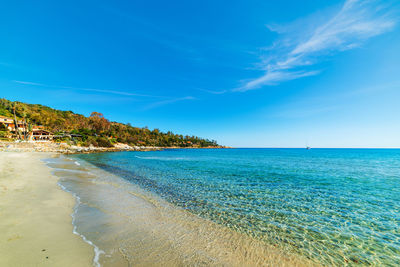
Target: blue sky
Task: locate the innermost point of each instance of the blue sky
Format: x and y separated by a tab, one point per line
248	73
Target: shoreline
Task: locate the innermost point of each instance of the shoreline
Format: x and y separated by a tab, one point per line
64	148
45	223
36	215
140	228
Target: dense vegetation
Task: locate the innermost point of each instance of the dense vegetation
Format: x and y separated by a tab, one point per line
3	131
97	130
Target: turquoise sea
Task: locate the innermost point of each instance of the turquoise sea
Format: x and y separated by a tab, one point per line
333	206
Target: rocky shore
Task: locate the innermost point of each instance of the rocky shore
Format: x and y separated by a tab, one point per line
47	146
66	148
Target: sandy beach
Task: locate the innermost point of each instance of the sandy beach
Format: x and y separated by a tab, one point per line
136	229
35	216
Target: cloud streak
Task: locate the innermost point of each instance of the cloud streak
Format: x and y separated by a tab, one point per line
163	100
105	91
30	83
355	22
169	101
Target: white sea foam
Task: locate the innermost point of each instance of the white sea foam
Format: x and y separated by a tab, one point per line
164	158
77	163
97	250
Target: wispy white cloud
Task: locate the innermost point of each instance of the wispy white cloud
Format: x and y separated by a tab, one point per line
29	83
168	101
105	91
293	58
164	100
213	92
112	92
274	77
355	22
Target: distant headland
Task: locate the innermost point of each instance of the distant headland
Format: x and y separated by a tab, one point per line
56	130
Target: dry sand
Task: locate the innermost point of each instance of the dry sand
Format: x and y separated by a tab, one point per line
35	221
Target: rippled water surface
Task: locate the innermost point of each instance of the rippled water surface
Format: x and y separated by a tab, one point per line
335	206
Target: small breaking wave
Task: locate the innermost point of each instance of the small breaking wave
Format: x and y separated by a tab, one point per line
97	250
164	158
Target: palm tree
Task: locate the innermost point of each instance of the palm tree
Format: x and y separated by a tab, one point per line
16	122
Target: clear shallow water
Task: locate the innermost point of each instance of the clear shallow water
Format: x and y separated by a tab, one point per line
129	226
335	206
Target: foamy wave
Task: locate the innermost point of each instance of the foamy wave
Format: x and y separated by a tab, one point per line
163	158
77	163
97	250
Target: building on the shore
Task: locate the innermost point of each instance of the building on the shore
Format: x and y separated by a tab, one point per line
40	135
36	133
5	120
9	123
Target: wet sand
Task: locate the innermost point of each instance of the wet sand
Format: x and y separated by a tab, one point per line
136	228
132	227
35	216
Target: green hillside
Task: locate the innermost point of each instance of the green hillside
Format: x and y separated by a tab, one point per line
97	130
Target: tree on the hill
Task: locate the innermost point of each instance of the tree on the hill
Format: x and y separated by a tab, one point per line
98	122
